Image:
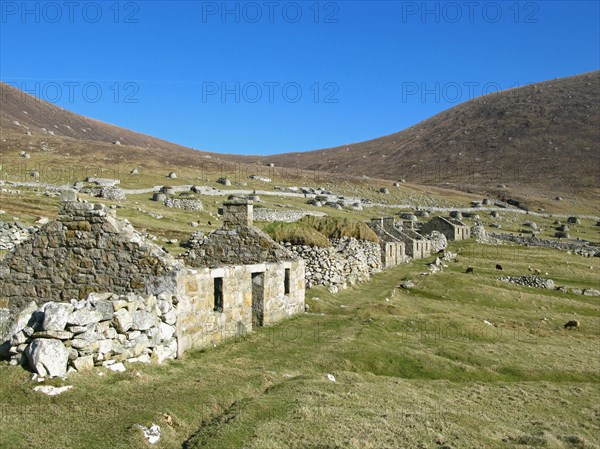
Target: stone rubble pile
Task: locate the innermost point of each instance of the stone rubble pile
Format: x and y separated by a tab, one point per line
11	234
438	240
581	248
478	233
528	281
196	239
346	262
103	329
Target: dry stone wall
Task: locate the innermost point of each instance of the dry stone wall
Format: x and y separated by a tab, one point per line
345	263
528	281
286	215
582	248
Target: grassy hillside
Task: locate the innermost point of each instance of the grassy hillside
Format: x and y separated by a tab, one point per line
418	368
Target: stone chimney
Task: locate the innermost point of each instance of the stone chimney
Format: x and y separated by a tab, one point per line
238	212
388	222
69	196
377	222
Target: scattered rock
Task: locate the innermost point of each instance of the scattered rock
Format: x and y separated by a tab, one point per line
50	390
152	434
117	367
591	292
83	363
84	317
159	196
260	178
48	357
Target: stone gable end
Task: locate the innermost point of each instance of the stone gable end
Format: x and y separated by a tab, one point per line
86	250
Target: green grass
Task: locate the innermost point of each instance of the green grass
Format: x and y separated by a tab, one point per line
333	227
296	233
417	368
316	231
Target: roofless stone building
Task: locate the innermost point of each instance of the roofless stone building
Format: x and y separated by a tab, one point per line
415	245
235	279
242	279
452	228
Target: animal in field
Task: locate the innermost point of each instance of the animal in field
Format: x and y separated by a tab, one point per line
498	267
572	324
534	270
469	270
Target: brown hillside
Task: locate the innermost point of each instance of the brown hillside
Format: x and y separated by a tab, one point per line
531	144
542	136
21	113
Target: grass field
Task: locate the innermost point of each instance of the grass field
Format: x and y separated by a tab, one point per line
413	369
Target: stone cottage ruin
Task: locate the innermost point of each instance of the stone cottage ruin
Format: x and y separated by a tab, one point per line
392	248
242	279
452	228
415	245
89	289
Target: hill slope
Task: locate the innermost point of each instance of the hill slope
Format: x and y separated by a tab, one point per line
543	135
21	113
530	144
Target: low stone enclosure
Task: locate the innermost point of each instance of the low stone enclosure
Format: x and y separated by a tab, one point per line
88	289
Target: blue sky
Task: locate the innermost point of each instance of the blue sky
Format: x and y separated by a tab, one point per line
268	77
